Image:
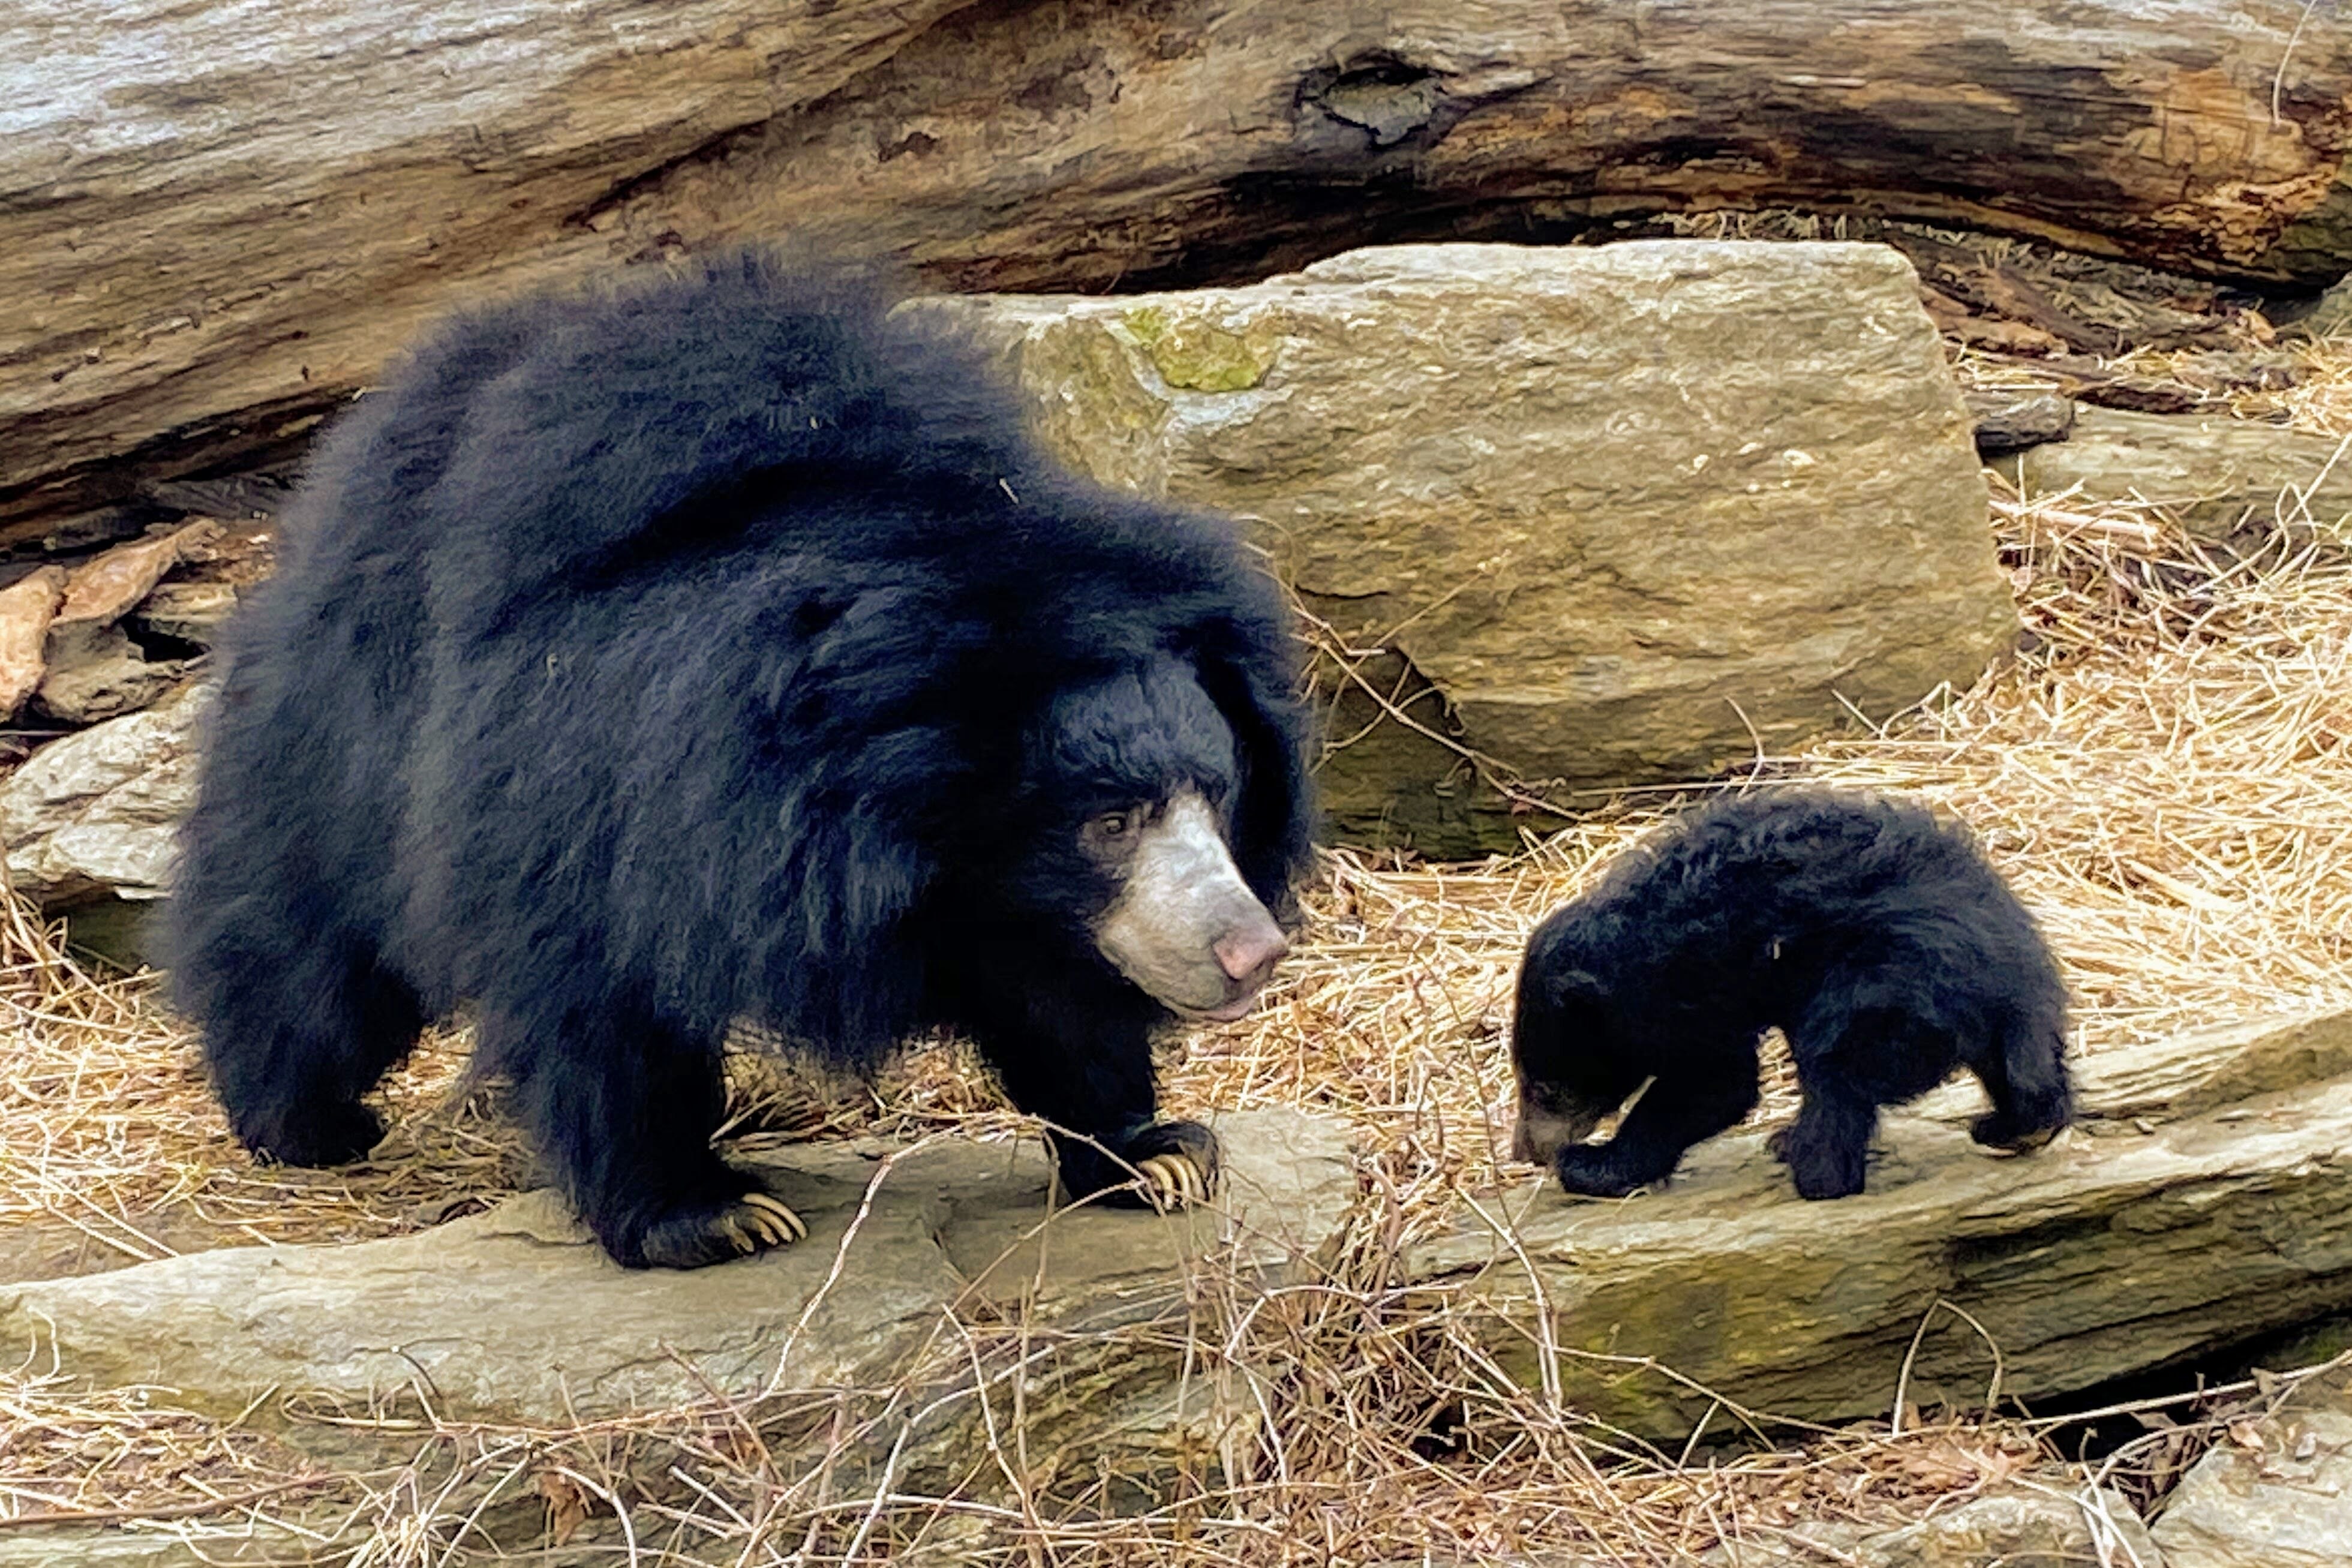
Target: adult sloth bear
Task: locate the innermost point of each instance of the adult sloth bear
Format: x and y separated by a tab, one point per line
720	650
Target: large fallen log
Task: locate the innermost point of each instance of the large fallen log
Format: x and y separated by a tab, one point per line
218	219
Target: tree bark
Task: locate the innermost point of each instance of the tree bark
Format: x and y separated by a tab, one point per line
217	220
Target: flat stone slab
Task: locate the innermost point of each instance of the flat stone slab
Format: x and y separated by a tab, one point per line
2224	478
2028	1526
2277	1494
516	1316
2204	1204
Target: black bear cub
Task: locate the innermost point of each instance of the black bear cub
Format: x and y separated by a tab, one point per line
1873	936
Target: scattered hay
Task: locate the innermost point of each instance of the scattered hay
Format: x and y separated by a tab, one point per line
2166	774
109	1137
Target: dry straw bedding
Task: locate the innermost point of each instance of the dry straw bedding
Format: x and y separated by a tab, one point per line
2166	774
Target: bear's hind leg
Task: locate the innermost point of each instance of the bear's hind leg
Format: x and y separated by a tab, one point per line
1827	1148
1709	1095
295	1038
1862	1044
625	1108
2026	1079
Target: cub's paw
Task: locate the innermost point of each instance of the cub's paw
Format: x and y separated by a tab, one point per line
1821	1170
320	1136
693	1235
2000	1134
1586	1171
1176	1164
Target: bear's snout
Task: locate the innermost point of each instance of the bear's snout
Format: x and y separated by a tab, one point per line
1185	926
1249	953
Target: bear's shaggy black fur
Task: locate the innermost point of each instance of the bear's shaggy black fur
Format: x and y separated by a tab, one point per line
720	650
1873	936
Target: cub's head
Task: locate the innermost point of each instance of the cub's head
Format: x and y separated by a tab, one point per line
1572	1065
1145	794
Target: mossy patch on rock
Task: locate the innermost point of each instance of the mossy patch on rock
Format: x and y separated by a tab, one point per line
1195	354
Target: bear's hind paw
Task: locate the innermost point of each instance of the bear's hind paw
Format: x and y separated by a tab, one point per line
2001	1136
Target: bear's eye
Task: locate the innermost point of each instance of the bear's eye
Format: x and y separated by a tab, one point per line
1113	832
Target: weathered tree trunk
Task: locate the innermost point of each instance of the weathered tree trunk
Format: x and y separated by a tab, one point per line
216	220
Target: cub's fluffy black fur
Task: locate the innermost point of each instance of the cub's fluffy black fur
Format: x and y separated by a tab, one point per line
1873	936
712	650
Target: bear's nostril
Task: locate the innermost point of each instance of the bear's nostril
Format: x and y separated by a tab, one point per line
1248	955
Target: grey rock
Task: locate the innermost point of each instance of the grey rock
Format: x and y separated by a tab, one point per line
2228	480
207	1543
97	673
2009	421
2031	1526
517	1316
1630	510
192	611
95	812
2133	1243
2286	1504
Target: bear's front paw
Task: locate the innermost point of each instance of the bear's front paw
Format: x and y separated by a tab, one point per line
1586	1170
319	1137
693	1236
1176	1165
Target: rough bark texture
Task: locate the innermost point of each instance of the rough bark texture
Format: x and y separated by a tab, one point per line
1566	488
218	219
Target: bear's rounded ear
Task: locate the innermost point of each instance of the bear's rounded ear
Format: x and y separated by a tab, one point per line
1274	811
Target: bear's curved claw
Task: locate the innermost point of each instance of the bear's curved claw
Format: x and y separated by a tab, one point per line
751	1223
1173	1181
765	1215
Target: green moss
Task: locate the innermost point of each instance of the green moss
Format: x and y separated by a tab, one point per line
1147	323
1197	355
